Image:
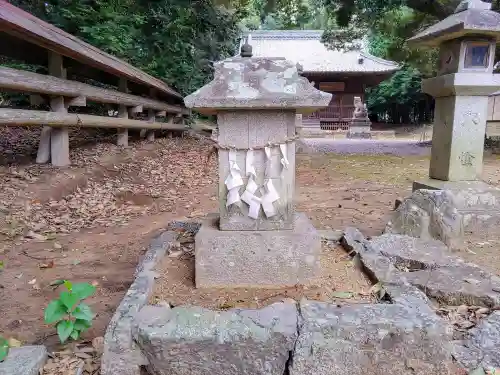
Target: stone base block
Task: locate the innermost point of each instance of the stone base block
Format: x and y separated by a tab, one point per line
433	184
360	129
359	135
369	339
257	258
190	340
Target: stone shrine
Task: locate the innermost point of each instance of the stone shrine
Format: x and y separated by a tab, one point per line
258	239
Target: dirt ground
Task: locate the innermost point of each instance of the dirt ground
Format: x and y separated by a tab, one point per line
340	282
92	221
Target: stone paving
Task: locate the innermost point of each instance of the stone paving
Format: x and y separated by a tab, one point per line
366	146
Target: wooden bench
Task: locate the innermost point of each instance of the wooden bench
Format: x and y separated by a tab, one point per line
130	90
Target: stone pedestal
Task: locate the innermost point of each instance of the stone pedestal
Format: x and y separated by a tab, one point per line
257	258
360	129
458	138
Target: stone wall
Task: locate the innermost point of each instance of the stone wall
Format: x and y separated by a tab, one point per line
401	332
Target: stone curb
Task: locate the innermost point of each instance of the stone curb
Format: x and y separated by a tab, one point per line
121	355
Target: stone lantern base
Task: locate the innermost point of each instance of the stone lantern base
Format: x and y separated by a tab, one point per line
257	258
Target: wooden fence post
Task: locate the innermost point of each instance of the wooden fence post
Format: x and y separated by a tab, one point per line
150	133
43	154
59	137
122	139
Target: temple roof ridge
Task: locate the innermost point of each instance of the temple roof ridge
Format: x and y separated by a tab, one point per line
305	47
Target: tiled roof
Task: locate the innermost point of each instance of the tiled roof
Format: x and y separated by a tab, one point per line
305	48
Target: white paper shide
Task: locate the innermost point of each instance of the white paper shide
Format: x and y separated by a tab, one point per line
255	196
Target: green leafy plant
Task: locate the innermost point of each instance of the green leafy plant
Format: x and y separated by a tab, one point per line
4	348
69	314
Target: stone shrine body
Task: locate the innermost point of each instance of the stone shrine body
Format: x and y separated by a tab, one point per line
258	239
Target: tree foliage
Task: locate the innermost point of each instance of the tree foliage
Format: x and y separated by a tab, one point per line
174	40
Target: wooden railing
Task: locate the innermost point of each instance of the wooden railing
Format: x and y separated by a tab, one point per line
333	113
25	37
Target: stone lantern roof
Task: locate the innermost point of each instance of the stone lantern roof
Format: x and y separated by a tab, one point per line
257	83
472	17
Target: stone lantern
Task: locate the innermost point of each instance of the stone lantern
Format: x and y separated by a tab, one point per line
466	42
257	239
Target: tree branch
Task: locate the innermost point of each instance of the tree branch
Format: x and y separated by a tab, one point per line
433	7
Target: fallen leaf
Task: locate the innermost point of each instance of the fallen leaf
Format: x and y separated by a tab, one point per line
472	281
375	289
83	355
32	282
35	236
343	295
98	344
56	282
14	343
46	265
2	265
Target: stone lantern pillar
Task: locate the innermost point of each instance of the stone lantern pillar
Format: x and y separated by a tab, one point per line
466	42
257	239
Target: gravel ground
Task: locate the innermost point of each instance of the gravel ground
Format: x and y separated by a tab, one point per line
368	146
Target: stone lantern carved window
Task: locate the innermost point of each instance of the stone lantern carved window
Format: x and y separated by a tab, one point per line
477	55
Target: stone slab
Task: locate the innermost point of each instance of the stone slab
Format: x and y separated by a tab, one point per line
428	265
190	340
26	360
121	355
481	348
433	184
257	258
376	339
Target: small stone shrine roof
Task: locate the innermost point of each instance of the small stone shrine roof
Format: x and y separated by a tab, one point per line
471	17
305	47
257	83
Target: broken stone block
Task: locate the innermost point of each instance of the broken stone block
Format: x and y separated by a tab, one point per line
428	265
369	339
198	341
447	214
26	360
482	348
